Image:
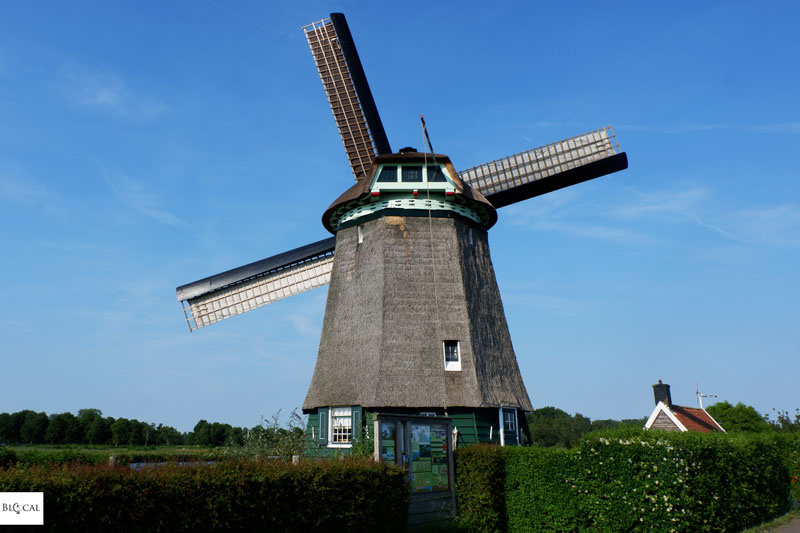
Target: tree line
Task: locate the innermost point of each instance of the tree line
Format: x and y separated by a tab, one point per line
550	426
89	426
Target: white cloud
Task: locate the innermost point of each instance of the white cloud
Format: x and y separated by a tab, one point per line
107	93
676	204
776	226
30	195
783	127
304	325
135	195
681	127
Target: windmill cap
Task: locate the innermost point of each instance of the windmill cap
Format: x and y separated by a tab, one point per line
361	190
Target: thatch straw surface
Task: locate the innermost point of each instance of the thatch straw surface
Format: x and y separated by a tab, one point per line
393	299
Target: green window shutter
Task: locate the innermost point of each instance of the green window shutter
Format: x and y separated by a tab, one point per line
356	422
322	434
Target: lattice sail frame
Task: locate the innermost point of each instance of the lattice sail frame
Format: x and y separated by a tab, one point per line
525	167
258	291
342	96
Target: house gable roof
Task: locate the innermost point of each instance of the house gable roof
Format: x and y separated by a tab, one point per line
696	419
685	418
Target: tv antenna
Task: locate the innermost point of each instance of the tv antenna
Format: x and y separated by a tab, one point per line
701	396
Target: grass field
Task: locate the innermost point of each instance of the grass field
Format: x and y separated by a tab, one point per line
56	454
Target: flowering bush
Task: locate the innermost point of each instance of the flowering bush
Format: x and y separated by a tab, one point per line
632	480
681	481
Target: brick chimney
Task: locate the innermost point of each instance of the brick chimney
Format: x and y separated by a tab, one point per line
661	393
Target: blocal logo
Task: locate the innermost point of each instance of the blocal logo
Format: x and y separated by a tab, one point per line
21	508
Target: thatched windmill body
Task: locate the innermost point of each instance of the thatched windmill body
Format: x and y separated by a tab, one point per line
414	323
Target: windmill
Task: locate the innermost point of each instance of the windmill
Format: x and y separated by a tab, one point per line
413	322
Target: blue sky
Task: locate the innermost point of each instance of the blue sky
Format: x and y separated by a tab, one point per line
145	145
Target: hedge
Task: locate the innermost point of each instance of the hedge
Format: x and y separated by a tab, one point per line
480	495
626	480
349	495
540	490
681	481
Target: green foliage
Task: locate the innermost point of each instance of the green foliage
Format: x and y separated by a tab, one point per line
364	444
271	439
738	418
89	427
230	496
685	481
540	490
480	487
50	455
550	426
628	479
7	457
785	424
791	450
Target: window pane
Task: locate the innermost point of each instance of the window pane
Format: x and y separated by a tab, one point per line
450	351
412	174
435	174
341	425
388	174
508	420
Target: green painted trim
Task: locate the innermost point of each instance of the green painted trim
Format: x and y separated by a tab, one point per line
437	202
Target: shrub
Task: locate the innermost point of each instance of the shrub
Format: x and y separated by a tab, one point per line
233	496
480	487
7	457
629	480
635	480
541	494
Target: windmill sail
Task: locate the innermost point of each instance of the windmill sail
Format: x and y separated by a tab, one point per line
236	291
348	93
548	168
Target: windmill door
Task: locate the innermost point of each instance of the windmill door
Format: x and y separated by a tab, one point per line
422	446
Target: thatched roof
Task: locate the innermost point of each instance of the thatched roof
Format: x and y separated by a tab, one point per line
393	299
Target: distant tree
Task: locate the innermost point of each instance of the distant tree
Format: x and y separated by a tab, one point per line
12	426
135	433
217	432
199	435
550	426
168	435
738	418
33	428
633	422
99	431
599	425
148	432
234	436
120	432
6	428
785	424
62	429
86	418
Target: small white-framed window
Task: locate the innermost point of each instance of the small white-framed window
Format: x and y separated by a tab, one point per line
452	355
341	426
509	421
510	427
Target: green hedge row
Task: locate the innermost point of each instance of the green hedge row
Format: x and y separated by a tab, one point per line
627	480
480	473
349	495
48	456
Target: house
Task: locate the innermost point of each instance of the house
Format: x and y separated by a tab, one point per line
670	417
